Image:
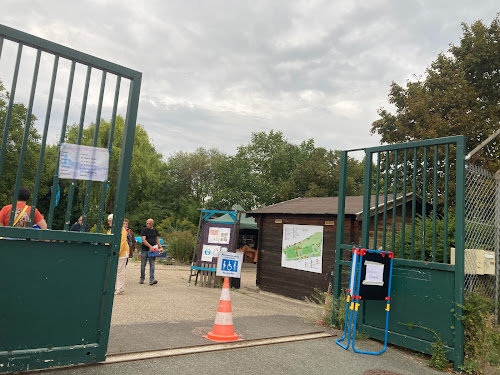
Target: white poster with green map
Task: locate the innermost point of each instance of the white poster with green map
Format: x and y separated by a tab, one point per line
302	247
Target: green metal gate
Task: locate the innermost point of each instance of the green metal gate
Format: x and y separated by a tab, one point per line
57	286
427	177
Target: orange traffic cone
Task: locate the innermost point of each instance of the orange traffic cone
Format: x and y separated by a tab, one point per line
223	325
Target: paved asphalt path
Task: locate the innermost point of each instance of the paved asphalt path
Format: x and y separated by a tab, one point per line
171	315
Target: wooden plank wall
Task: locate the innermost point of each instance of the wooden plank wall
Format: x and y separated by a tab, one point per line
289	282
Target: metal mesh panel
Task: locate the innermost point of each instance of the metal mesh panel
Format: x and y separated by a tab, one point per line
482	227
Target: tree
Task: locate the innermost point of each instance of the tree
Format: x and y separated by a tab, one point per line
459	95
194	174
318	176
13	147
271	160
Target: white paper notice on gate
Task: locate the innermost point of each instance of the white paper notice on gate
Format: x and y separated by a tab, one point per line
374	273
79	162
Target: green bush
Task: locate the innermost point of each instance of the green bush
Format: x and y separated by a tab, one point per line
180	245
481	335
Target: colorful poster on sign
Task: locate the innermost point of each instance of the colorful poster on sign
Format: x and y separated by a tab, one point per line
302	247
79	162
219	235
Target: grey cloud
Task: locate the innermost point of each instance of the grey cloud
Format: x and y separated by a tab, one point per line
218	70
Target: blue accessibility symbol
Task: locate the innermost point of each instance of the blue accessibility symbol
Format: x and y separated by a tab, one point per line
66	161
229	265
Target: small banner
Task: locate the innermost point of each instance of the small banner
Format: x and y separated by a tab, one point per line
79	162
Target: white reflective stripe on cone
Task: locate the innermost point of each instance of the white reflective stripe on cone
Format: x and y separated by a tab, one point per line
224	319
225	295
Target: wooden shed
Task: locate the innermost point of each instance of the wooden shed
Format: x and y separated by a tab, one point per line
320	213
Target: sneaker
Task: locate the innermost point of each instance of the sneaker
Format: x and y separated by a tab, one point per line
153	282
141	281
120	291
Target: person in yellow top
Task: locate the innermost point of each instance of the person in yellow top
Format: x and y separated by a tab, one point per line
122	259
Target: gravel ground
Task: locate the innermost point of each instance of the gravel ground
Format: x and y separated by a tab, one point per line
172	300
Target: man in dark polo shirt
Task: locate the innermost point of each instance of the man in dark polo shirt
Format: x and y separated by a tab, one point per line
150	238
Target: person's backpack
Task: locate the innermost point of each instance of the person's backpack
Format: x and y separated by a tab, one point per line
22	217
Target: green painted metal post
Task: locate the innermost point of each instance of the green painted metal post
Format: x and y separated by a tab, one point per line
365	228
340	227
459	251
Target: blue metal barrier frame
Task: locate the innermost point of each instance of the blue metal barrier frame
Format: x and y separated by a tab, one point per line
353	305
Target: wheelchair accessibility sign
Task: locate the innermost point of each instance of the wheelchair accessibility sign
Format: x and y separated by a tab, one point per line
229	264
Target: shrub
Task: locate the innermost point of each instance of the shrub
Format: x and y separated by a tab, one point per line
481	336
180	245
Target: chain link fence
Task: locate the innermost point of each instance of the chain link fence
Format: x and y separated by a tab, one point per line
482	233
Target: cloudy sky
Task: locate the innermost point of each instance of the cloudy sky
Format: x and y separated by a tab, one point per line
216	71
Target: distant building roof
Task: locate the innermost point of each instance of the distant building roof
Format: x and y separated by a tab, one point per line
327	205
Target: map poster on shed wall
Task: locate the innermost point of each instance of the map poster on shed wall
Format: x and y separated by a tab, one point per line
302	247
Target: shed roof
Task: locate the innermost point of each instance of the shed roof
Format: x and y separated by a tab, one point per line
327	205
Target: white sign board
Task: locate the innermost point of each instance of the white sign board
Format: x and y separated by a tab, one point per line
209	252
374	273
302	247
77	162
229	264
219	235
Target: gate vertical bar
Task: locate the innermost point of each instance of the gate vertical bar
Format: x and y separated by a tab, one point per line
434	205
94	144
424	204
365	228
403	213
340	226
394	198
386	187
413	204
459	251
9	108
24	146
446	187
110	144
55	182
71	193
377	193
44	136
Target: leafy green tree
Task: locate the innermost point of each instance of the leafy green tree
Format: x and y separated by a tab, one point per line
271	160
233	185
14	145
195	173
459	95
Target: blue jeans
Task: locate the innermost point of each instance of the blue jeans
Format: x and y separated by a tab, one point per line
144	258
